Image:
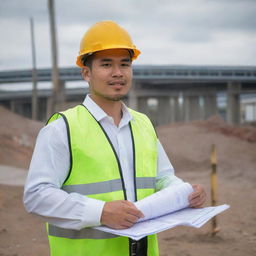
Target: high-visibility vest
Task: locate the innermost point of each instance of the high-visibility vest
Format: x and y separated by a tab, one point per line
95	172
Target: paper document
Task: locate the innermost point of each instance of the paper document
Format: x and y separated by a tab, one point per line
166	209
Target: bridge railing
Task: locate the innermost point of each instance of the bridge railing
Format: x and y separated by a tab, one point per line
144	72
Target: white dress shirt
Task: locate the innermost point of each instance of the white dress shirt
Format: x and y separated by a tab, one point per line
49	168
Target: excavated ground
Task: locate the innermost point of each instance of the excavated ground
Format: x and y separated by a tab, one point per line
188	146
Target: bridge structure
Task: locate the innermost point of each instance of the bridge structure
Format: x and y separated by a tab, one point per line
166	93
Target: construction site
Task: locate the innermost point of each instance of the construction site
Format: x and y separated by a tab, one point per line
188	146
204	116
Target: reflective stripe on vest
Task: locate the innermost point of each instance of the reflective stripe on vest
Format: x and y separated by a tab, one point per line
108	186
85	233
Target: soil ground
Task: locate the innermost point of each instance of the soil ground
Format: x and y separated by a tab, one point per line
188	146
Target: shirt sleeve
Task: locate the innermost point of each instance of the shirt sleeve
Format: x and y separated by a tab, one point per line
165	171
48	170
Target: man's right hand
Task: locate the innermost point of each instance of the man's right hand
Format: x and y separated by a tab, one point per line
120	214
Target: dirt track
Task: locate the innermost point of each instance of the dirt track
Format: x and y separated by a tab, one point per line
188	146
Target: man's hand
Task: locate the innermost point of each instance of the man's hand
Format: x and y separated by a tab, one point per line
120	214
197	197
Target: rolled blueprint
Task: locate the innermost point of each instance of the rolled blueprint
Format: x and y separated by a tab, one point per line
168	200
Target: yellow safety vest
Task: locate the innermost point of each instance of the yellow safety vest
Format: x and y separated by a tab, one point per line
95	172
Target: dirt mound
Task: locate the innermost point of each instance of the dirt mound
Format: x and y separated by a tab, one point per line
17	138
188	145
216	123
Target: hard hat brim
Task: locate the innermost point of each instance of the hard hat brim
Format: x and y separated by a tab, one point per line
134	57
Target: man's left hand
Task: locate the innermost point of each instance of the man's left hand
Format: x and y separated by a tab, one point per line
197	197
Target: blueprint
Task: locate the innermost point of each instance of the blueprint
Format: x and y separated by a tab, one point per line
166	209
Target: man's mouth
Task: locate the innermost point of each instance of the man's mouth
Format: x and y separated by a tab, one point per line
117	84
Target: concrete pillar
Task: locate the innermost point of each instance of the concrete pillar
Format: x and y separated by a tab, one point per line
191	108
143	105
133	98
163	111
254	111
233	102
13	105
150	111
176	110
173	106
48	107
42	109
210	106
58	98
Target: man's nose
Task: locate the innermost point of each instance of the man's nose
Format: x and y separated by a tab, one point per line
117	72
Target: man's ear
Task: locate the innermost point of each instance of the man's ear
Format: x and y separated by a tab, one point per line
86	74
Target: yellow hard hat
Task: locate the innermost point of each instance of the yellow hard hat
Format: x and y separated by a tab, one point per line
105	35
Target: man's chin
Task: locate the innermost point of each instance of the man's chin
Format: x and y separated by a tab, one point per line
116	97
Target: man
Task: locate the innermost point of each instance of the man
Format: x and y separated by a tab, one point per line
92	161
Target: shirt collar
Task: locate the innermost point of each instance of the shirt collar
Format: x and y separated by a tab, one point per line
100	114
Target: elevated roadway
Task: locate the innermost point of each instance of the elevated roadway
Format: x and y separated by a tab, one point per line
179	93
152	73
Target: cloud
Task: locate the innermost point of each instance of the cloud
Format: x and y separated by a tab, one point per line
18	10
167	32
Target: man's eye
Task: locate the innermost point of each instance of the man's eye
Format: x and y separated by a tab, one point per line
125	64
105	64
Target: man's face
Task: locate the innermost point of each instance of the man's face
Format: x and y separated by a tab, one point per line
110	75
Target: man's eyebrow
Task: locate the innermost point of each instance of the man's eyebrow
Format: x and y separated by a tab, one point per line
122	60
106	59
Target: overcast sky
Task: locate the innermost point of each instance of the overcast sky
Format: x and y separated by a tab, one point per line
194	32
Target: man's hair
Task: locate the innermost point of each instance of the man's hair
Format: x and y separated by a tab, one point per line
87	60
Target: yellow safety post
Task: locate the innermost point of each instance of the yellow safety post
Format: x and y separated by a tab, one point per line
215	229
